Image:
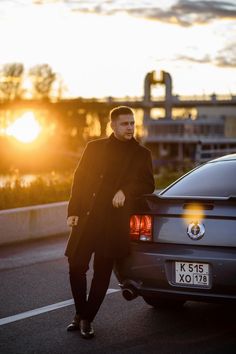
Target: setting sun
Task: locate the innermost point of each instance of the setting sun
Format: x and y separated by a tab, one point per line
25	129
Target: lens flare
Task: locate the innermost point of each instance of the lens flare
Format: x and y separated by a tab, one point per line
193	213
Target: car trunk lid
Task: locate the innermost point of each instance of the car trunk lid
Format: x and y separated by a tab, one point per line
191	220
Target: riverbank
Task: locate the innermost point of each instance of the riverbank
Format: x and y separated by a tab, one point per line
18	191
22	191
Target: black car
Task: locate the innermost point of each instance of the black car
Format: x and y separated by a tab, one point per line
184	240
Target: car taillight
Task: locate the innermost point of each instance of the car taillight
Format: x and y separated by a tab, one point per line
141	227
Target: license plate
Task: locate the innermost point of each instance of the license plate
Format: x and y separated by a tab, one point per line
193	274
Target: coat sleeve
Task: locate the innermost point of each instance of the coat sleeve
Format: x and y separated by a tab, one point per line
140	181
79	176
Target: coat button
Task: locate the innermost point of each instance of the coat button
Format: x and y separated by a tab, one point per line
101	176
94	194
88	212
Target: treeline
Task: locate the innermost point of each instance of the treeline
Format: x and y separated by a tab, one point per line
38	82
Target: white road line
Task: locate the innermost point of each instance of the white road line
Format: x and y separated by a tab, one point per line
44	309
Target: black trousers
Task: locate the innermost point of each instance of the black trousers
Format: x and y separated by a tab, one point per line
88	306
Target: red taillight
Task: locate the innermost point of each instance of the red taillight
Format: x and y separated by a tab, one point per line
141	228
134	227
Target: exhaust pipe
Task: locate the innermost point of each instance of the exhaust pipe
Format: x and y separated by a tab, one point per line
129	293
129	290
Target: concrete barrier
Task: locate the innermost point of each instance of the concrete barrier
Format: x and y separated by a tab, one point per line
33	222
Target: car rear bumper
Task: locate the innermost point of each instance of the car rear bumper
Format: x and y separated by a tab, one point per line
150	271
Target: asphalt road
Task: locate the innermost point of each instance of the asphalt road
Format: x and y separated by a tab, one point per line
36	307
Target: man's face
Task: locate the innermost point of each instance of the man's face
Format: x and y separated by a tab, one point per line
123	127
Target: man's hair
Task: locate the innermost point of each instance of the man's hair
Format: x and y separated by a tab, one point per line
117	111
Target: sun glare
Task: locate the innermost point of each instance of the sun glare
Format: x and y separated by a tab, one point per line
25	129
193	213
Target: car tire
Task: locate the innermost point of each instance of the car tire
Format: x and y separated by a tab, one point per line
158	302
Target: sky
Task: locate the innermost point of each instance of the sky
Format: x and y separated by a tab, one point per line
105	48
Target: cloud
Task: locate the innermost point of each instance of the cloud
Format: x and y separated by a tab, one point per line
183	12
203	60
201	12
226	57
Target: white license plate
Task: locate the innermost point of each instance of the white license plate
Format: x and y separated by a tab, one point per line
187	273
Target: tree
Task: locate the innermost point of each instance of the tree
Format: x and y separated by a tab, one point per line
42	78
11	76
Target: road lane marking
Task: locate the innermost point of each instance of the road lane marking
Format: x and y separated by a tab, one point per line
44	309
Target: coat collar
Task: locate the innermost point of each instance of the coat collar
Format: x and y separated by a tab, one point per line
113	139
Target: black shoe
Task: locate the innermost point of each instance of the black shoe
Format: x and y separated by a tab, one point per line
74	325
86	329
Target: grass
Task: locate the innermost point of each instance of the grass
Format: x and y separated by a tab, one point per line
40	191
51	189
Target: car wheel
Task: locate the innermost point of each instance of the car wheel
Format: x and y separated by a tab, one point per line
158	302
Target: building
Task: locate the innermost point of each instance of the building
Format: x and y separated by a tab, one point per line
178	140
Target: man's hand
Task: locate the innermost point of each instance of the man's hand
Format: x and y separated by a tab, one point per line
119	199
72	221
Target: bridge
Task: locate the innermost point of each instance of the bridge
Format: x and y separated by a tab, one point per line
145	102
75	111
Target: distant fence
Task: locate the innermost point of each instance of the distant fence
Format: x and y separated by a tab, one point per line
33	222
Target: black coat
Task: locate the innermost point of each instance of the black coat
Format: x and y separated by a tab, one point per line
92	193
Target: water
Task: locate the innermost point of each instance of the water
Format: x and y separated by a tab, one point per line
25	180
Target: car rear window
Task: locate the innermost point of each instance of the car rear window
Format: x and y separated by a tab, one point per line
215	179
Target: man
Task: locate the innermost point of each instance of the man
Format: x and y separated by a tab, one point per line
111	173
